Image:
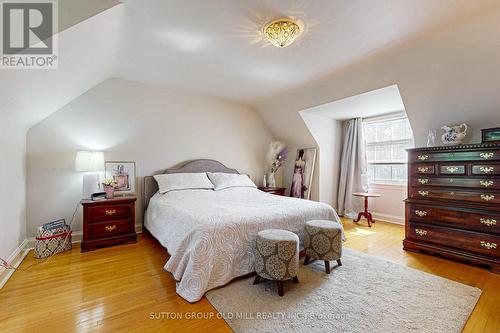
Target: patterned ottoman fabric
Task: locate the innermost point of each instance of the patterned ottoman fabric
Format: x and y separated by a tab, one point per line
277	254
323	240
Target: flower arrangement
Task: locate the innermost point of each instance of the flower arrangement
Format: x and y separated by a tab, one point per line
277	156
109	182
109	188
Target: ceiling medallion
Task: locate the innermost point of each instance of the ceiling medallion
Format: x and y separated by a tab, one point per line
282	32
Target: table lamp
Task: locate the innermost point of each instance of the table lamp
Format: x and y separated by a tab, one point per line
90	162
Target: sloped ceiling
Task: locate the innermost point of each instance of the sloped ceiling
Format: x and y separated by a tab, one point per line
86	57
216	48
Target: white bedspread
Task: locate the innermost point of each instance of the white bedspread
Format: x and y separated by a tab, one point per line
210	234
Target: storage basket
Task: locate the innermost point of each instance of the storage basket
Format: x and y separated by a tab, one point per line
52	238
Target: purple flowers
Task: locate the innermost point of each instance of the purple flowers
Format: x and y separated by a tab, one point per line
277	156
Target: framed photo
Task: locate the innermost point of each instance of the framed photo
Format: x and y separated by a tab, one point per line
123	173
303	172
490	135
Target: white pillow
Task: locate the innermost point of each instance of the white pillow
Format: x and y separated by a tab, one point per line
225	180
183	181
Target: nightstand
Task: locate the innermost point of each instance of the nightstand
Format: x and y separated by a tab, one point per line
108	222
273	190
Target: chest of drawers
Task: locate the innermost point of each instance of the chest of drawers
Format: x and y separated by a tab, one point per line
108	222
453	204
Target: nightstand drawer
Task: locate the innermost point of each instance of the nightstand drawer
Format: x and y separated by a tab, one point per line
109	229
109	212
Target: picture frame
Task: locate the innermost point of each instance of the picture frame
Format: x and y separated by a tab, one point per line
303	173
123	173
490	135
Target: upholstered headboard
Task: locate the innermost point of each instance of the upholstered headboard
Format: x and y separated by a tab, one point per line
203	165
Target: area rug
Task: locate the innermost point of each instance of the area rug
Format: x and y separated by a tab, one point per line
365	294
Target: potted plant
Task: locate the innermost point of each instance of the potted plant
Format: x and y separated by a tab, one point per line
109	187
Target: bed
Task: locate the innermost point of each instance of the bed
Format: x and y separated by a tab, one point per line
210	234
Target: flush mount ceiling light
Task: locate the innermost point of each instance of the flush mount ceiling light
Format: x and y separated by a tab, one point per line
282	32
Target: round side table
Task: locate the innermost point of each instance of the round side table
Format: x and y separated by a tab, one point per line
366	213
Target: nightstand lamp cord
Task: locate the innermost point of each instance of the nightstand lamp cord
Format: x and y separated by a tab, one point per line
6	265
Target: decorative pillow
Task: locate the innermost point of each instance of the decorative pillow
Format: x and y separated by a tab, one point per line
183	181
225	180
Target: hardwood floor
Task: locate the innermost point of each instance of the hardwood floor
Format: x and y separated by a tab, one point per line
124	288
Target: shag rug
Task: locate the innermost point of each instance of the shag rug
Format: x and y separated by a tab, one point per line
365	294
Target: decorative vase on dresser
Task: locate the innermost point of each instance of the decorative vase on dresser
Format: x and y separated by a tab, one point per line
453	204
108	222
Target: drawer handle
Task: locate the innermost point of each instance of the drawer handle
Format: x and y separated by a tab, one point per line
488	222
488	245
486	169
423	181
421	232
421	213
423	157
486	183
452	169
423	193
110	227
486	156
487	197
423	169
110	212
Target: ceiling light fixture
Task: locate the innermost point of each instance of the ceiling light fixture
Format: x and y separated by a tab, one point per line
282	32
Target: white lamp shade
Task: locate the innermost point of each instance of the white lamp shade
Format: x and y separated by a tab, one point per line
89	161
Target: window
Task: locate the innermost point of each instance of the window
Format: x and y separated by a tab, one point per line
386	140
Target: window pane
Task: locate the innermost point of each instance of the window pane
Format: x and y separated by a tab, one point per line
370	132
399	173
398	130
383	153
399	153
370	153
384	131
383	172
371	173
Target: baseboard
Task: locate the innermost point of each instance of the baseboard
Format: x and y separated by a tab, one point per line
388	218
17	257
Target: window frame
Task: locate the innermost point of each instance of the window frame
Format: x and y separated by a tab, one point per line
382	119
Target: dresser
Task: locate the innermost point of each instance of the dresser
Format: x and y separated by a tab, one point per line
108	222
453	204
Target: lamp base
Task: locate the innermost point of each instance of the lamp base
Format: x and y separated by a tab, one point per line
90	184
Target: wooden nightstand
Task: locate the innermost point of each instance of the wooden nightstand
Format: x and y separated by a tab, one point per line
108	222
273	190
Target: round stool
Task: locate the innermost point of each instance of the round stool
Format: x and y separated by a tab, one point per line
323	241
276	256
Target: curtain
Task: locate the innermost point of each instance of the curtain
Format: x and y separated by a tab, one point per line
353	177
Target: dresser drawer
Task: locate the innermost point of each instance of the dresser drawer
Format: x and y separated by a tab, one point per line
476	242
423	169
478	221
491	184
478	155
469	196
453	169
486	169
109	212
109	229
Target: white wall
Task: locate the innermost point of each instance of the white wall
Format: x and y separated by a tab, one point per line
448	77
12	189
156	127
327	133
390	206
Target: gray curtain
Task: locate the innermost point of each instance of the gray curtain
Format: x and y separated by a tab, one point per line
352	168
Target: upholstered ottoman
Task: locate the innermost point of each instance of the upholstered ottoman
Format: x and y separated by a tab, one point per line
276	256
323	241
